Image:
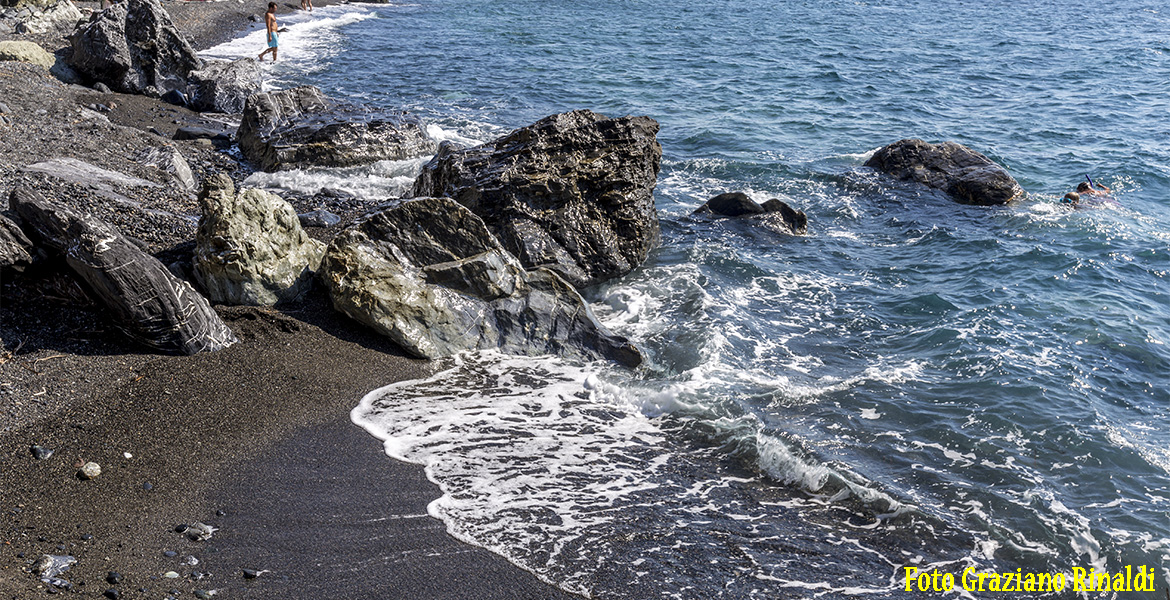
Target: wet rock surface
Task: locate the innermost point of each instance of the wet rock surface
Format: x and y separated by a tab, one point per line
250	248
738	204
429	275
572	193
300	127
965	175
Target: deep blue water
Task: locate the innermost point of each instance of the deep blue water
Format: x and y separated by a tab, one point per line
914	382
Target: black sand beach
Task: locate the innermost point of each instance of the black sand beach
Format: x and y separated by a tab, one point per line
254	440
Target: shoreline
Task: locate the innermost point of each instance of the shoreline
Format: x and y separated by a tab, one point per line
254	440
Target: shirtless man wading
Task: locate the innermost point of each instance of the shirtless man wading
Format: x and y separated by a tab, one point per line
270	23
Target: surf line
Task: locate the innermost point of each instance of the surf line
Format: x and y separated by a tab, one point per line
1082	581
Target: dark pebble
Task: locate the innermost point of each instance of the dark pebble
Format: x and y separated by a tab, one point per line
86	537
61	547
113	578
220	513
202	594
112	594
42	538
170	554
41	453
180	528
251	573
20	555
148	486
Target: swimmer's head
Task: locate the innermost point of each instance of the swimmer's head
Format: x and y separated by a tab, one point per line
1083	187
1071	198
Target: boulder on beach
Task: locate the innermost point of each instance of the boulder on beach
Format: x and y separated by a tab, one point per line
964	174
134	48
300	127
29	52
250	248
222	86
171	161
573	193
428	274
62	15
144	299
738	204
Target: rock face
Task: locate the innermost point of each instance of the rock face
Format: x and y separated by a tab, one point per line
250	248
738	204
966	175
222	86
28	52
134	48
144	299
61	14
16	251
572	192
300	127
168	159
428	274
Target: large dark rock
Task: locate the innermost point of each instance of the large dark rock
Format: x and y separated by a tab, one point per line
966	175
133	47
300	127
573	192
738	204
139	293
16	251
428	274
222	86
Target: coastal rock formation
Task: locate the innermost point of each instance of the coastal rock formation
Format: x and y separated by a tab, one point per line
60	15
738	204
250	248
222	86
139	293
964	174
168	159
134	48
16	251
572	192
428	274
300	127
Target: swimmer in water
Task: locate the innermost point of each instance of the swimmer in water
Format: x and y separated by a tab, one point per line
1085	189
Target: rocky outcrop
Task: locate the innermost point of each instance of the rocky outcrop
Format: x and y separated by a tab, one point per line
572	192
964	174
134	48
29	52
222	86
169	160
144	299
250	248
300	127
738	204
16	251
61	15
428	274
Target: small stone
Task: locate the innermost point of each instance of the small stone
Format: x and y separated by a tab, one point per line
203	594
170	553
220	513
189	561
127	455
199	532
180	528
112	594
146	485
90	470
86	537
41	453
171	575
61	548
4	108
250	573
113	578
101	87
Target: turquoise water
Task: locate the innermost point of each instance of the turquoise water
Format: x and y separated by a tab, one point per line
915	382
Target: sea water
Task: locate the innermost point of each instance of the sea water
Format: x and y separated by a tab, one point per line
913	383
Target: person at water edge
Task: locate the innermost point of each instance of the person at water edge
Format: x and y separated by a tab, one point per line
270	24
1085	189
307	5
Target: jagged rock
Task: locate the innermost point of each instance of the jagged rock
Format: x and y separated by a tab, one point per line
134	48
319	218
428	274
964	174
16	251
170	160
250	248
175	97
738	204
572	192
61	14
222	86
29	52
300	127
139	293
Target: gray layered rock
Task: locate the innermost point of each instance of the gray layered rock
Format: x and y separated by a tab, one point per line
250	248
222	86
168	159
428	274
134	48
964	174
301	127
572	192
738	204
144	299
16	251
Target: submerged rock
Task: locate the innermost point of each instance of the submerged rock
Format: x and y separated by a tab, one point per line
572	193
144	299
428	274
134	48
222	86
738	204
964	174
250	248
300	127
